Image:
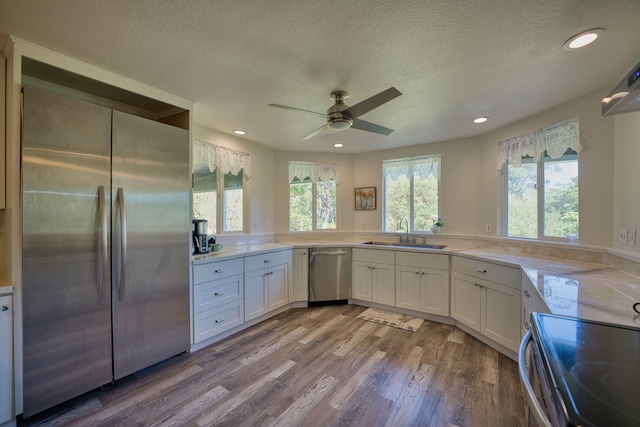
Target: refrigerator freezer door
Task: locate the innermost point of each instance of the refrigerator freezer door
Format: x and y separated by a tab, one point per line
65	281
151	242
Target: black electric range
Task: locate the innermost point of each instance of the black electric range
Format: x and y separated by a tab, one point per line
593	367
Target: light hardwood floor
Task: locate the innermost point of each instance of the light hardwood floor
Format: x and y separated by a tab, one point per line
314	367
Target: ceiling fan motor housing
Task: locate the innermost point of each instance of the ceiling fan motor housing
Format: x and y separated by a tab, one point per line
335	119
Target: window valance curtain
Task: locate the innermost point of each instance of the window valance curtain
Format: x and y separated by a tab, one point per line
223	159
422	167
324	171
555	139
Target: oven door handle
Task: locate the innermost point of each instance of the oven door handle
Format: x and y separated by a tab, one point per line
534	405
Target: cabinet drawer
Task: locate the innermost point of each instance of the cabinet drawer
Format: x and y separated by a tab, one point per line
439	261
373	255
266	260
509	276
213	322
217	292
217	270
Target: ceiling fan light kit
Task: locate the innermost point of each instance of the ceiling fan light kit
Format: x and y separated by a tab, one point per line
341	117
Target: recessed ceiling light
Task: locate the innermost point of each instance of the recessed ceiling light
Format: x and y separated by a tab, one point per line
583	39
239	132
338	145
481	119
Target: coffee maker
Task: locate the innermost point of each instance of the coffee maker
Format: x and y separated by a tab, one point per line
200	236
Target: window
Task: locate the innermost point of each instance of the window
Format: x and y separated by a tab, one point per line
312	196
411	191
541	197
218	187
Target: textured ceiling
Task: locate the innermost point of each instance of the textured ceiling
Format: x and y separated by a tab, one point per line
452	60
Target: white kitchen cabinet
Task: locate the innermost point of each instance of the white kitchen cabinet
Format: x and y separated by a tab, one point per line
373	277
422	282
531	302
218	297
6	358
490	307
299	290
266	281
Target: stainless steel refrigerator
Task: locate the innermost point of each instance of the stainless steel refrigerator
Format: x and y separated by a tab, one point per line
105	245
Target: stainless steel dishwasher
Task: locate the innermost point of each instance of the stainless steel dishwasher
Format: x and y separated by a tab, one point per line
329	275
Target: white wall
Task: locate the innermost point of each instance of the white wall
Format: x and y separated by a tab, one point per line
260	186
345	195
470	181
626	206
595	164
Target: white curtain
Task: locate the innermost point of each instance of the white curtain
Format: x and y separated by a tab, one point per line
324	171
555	139
421	166
223	159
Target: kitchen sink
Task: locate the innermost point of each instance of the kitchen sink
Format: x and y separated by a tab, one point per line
406	245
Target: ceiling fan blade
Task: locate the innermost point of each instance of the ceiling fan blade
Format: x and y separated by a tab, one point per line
317	131
369	104
284	107
370	127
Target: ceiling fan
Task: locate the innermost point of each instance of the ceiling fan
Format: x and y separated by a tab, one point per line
340	116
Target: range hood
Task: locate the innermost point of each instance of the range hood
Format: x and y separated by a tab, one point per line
625	97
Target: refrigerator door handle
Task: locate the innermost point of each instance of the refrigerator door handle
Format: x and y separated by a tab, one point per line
122	281
102	258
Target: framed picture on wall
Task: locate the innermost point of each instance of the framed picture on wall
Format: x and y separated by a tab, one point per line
366	198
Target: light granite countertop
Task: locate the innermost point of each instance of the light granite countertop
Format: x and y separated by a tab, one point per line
571	288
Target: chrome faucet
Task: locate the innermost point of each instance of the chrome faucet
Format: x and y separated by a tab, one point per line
400	227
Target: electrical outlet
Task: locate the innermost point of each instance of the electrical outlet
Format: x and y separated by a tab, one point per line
364	226
266	224
632	237
622	236
487	228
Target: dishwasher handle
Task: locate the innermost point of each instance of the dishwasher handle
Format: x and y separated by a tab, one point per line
315	252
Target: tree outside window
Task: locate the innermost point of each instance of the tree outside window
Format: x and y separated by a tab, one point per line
411	192
542	199
312	196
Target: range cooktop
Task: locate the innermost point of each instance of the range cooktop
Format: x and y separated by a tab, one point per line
595	368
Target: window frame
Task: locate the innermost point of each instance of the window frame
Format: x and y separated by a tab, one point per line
314	200
412	215
540	196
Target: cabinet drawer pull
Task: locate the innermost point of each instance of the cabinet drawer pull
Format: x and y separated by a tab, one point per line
478	285
267	261
526	293
220	270
480	270
220	293
5	307
417	272
221	320
527	325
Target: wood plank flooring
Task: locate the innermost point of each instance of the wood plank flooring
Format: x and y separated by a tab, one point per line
319	366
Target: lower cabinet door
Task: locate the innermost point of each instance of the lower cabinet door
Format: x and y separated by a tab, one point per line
215	321
501	320
278	285
6	358
465	300
435	291
361	281
255	297
408	281
384	284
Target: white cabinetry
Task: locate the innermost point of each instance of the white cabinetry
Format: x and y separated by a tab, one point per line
422	282
486	297
373	277
531	301
6	358
3	71
266	282
218	293
299	290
